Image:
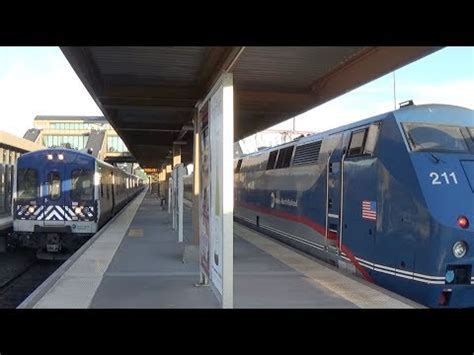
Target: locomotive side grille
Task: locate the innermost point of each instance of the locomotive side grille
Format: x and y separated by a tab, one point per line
307	153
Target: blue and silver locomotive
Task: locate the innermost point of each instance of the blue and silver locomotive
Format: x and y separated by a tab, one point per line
62	197
389	198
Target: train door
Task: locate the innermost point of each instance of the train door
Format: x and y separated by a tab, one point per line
334	186
53	197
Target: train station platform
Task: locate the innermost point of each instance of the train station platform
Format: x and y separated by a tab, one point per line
135	261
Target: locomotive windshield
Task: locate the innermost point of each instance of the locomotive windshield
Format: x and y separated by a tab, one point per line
27	183
430	137
471	131
82	188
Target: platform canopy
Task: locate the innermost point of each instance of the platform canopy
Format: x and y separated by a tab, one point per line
149	94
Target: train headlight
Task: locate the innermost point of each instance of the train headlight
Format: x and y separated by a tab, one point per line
61	156
50	156
463	222
77	210
31	209
459	249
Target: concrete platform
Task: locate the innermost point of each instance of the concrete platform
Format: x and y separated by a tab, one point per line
135	261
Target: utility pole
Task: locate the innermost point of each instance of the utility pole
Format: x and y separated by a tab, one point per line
394	93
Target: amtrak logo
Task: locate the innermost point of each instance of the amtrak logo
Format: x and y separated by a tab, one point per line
282	201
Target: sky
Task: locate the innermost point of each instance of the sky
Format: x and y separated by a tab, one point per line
446	77
40	81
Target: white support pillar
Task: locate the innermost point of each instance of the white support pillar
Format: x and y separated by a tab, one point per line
179	201
169	194
196	181
217	187
191	246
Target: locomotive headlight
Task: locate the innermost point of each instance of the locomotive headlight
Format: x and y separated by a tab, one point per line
50	156
77	210
463	222
61	156
459	249
31	209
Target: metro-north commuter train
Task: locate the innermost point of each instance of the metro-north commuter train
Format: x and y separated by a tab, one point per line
389	198
63	196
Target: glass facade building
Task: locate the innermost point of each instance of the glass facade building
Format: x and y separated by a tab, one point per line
116	145
80	133
72	142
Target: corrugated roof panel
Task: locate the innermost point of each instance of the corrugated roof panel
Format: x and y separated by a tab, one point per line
287	68
174	66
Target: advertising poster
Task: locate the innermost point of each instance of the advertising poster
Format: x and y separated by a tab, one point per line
216	220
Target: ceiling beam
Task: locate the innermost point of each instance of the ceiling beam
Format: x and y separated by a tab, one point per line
148	93
221	62
247	100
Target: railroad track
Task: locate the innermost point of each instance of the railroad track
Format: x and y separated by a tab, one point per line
20	274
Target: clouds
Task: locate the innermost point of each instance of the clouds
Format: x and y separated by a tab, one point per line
49	86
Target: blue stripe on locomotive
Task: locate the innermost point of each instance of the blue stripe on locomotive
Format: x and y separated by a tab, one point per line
416	225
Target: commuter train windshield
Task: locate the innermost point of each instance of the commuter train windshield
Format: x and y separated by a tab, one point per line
27	184
82	187
54	185
439	138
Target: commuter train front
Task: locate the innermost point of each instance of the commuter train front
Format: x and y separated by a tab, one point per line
62	197
390	198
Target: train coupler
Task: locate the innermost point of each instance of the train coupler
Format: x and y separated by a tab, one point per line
53	243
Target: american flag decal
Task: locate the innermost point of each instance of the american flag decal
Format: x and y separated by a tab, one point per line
369	210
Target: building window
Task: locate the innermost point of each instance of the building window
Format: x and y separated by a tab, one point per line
72	142
115	144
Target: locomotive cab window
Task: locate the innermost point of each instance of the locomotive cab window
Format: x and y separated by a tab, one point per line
54	185
271	159
82	188
284	158
471	132
356	146
27	182
363	141
239	164
430	137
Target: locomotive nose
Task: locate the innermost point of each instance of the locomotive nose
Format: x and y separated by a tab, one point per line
468	167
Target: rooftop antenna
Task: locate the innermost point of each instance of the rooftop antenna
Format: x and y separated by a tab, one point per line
394	93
